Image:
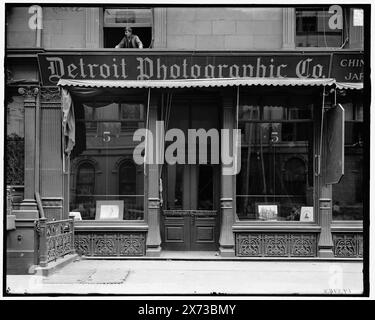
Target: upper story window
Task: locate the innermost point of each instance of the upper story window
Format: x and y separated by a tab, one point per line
138	19
314	28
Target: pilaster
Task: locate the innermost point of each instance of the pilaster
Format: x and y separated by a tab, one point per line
30	101
226	240
289	29
153	241
92	28
160	28
325	244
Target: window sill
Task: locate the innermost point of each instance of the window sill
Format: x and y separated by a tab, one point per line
129	225
240	226
347	226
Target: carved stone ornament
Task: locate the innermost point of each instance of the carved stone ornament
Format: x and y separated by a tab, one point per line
50	93
28	92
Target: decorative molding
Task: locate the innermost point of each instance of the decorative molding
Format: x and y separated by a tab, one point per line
131	244
50	94
58	202
226	203
28	92
289	29
110	243
104	244
276	245
81	160
348	245
153	203
303	245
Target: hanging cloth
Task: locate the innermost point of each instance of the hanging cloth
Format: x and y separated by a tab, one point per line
68	121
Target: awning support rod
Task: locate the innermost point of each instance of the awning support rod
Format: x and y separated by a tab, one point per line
146	140
236	131
321	132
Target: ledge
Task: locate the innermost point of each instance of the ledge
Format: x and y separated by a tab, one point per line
32	52
54	266
110	226
11	222
347	228
246	227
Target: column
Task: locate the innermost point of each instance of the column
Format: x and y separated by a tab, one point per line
289	29
153	241
160	28
325	244
51	168
226	240
29	94
93	28
356	33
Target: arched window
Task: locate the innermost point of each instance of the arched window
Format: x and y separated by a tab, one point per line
83	200
131	189
127	178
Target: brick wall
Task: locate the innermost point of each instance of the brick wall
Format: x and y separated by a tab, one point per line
224	28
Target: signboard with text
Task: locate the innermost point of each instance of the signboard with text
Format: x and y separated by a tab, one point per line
158	66
169	67
347	67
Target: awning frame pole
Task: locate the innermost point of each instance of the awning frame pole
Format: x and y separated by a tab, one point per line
321	132
146	138
237	116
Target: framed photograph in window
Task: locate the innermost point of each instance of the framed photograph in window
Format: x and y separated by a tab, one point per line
267	211
109	210
307	214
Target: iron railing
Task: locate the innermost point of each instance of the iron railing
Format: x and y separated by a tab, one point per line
56	239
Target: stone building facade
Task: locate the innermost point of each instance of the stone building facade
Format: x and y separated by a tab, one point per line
278	74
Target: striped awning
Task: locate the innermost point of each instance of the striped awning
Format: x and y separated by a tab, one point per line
193	83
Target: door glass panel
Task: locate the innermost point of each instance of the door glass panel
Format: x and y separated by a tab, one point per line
205	188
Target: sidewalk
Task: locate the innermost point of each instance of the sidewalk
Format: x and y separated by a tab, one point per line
195	277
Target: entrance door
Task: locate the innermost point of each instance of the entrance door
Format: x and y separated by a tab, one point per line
190	221
190	215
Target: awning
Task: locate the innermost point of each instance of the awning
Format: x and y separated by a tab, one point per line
193	83
350	85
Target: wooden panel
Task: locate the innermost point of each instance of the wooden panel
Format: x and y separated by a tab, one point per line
205	234
174	233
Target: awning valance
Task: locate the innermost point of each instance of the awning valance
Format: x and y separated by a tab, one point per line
195	83
350	85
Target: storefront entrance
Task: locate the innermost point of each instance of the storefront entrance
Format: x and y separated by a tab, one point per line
191	192
193	223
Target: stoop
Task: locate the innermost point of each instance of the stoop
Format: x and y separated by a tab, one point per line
54	266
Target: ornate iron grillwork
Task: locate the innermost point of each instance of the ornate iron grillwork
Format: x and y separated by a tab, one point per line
56	239
276	245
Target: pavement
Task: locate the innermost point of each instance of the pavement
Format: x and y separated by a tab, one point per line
165	277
